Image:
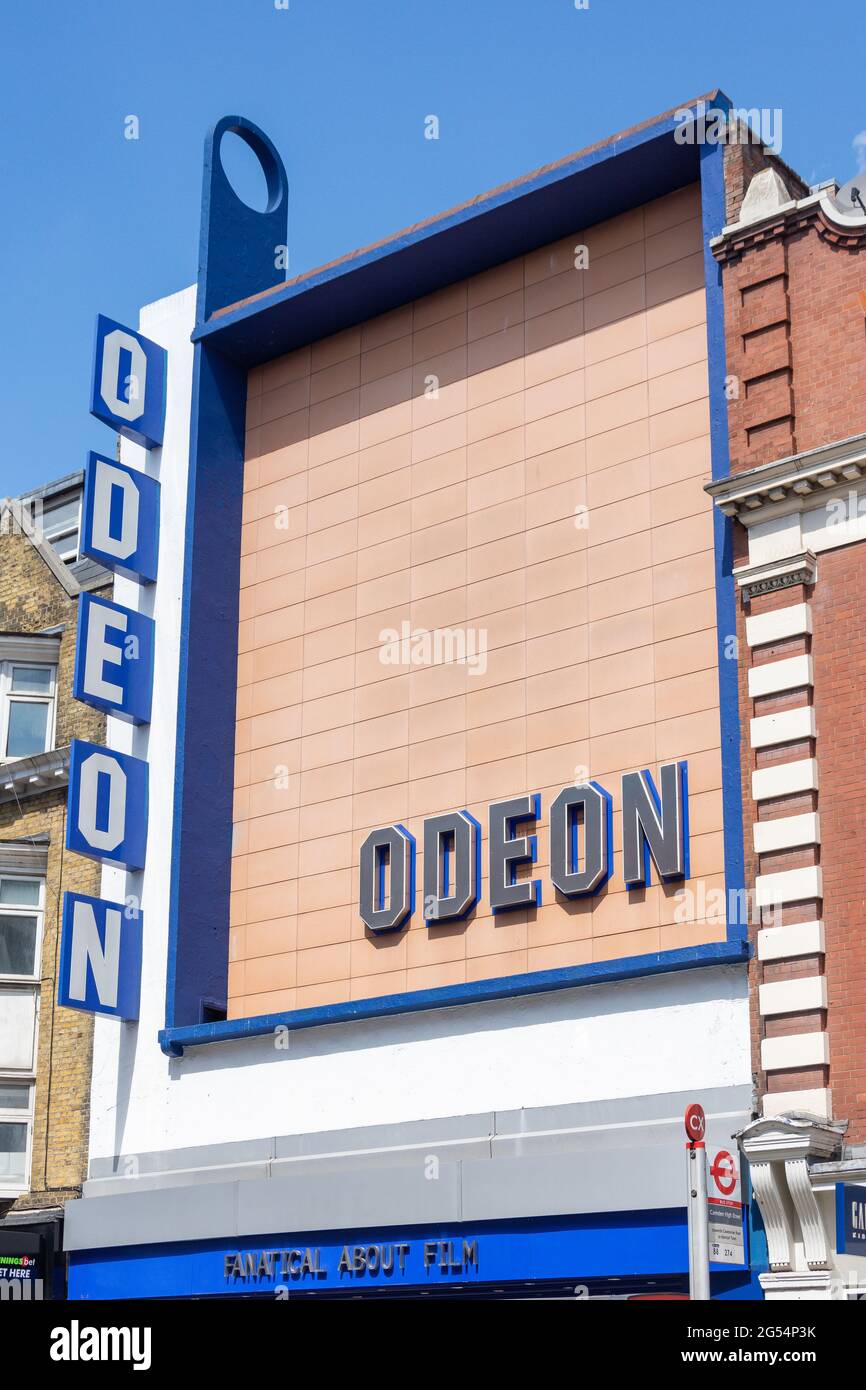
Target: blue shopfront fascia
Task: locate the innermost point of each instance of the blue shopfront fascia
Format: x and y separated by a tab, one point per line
631	1246
851	1218
265	320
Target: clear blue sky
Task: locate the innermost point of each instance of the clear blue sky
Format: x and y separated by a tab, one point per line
95	222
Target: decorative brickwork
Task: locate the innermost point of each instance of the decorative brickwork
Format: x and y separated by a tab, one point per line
795	335
797	351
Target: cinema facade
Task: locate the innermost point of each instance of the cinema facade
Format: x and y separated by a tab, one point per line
444	910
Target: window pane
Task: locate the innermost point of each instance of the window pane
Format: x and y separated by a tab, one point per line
14	1097
32	680
13	1154
28	728
24	892
60	516
17	945
60	523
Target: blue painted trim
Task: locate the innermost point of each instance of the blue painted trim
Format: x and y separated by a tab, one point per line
532	858
759	1253
840	1218
174	1040
653	792
475	831
849	1193
379	901
401	925
476	859
197	968
598	184
591	187
684	793
239	245
713	216
592	1247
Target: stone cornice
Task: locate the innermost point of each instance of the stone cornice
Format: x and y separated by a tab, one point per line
767	577
23	857
792	1136
779	1153
838	1170
26	777
816	210
29	646
791	480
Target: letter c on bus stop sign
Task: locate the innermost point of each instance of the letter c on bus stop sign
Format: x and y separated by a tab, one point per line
696	1124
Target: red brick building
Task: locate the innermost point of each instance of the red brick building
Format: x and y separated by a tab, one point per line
793	265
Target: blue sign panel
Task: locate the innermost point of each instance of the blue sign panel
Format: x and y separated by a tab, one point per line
120	518
622	1245
114	659
100	957
107	805
128	390
850	1218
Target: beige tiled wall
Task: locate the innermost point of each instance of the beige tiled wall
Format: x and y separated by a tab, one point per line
550	495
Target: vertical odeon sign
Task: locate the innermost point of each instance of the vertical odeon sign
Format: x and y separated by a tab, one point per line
100	950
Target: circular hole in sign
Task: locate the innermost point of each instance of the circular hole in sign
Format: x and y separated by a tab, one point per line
248	169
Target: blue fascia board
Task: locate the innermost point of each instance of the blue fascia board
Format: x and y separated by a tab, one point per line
713	214
620	174
629	1246
174	1040
511	221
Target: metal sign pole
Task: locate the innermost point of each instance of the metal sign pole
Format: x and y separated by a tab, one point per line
696	1176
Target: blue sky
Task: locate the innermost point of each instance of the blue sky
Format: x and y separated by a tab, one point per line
96	222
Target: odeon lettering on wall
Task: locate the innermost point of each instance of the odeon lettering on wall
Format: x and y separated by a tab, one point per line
101	941
283	853
654	830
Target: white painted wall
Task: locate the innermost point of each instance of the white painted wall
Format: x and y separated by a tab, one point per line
685	1031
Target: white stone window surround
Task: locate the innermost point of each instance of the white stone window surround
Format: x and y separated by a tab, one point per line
785	726
806	503
793	510
785	779
787	832
795	939
789	886
779	624
800	994
795	1050
11	1185
773	677
22	862
23	651
25	905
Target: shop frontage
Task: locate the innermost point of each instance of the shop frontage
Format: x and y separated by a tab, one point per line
425	781
32	1263
486	1207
